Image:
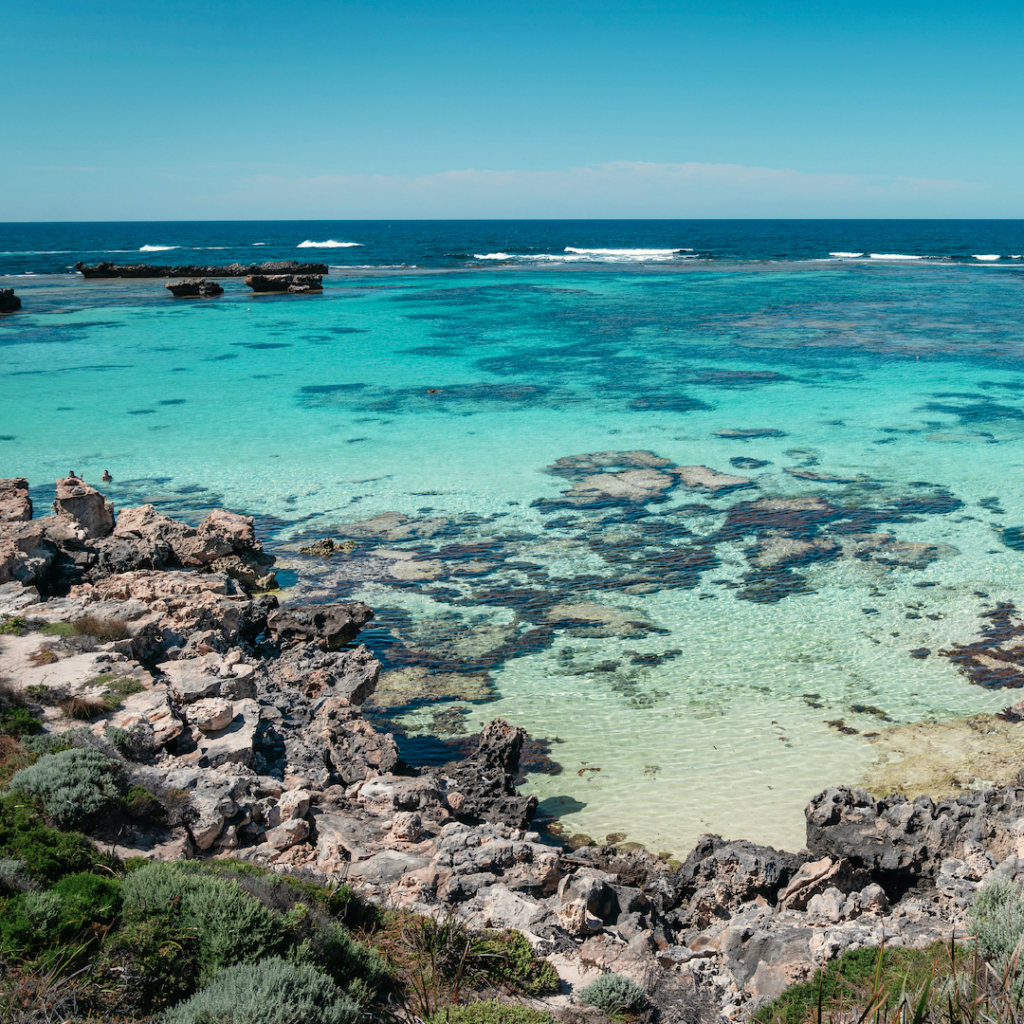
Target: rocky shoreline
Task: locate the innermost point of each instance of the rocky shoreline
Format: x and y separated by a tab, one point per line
251	711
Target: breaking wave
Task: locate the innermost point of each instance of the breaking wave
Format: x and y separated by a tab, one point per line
158	248
329	244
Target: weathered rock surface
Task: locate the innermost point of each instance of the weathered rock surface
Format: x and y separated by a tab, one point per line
15	504
83	506
194	288
352	749
294	284
331	625
191	270
482	788
9	302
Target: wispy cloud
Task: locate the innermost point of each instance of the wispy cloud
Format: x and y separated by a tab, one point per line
619	189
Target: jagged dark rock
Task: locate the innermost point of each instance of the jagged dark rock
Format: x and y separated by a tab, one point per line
482	788
193	288
294	284
192	270
9	302
901	841
331	625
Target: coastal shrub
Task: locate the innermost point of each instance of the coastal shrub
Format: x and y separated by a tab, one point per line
228	925
12	625
18	722
84	708
508	959
615	994
73	784
46	854
997	922
60	915
329	947
490	1011
272	991
44	656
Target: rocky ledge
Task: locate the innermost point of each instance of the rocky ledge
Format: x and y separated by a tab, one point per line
193	288
294	284
9	302
251	713
190	270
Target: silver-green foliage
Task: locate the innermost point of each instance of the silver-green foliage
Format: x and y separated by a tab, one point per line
997	922
73	784
273	991
231	926
615	993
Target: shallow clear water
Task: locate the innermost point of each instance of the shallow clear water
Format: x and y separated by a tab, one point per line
703	696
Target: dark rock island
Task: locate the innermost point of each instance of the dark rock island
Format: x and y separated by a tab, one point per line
189	270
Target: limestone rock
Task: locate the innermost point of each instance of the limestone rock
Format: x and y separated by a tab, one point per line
193	287
287	834
352	674
9	302
332	625
210	714
152	708
354	749
15	504
233	744
485	781
26	552
105	269
85	507
195	679
296	284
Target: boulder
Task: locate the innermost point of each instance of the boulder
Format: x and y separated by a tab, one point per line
26	552
193	288
287	834
485	781
296	284
15	504
352	674
232	744
152	709
331	625
85	507
352	749
9	302
211	714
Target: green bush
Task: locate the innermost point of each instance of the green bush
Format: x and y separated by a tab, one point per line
56	629
615	994
490	1012
229	926
12	625
73	784
508	958
18	722
13	878
37	919
46	854
997	922
329	947
273	991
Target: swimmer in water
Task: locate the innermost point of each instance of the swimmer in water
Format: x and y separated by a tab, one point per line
106	478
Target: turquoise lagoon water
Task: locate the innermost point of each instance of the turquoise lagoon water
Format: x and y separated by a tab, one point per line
697	696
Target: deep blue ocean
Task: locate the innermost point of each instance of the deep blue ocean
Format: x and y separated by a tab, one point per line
499	417
53	248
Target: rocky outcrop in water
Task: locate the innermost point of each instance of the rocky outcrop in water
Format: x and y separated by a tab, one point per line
191	270
194	288
293	284
9	302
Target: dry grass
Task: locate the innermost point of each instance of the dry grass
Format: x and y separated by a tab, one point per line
106	630
84	709
44	656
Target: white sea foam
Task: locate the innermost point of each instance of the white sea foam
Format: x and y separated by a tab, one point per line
329	244
626	252
158	248
846	255
36	252
893	256
988	257
259	243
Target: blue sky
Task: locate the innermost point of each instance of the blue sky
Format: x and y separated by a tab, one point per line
136	110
